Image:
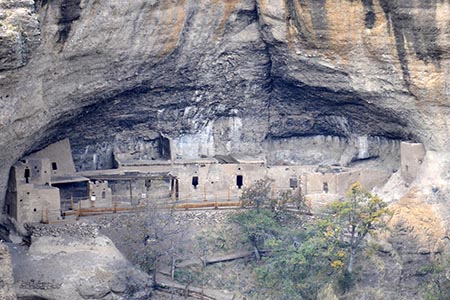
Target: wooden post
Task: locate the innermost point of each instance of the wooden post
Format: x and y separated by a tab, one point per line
215	200
46	216
42	215
131	191
115	204
204	193
79	210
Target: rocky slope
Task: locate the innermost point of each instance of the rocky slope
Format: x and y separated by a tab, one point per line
7	291
74	261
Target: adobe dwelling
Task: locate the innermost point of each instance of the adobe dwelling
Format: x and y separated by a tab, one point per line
29	194
45	182
222	178
133	187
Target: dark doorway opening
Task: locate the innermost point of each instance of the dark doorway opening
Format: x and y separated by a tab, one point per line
325	187
174	188
54	166
239	181
27	175
195	181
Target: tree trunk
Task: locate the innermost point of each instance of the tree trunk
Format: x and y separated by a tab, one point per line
172	268
154	283
257	254
351	260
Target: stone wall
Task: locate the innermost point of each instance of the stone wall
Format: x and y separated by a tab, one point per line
100	194
30	198
60	156
36	202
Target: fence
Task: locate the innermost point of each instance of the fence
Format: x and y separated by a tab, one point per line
82	206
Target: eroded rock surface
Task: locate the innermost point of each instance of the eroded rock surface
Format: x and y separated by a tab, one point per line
74	262
225	76
7	291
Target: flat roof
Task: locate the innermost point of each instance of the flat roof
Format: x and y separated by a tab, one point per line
143	163
119	174
226	159
248	159
193	161
71	178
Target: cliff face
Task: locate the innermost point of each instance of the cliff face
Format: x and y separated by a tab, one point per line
338	78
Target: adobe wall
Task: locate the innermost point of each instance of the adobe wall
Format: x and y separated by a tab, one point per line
11	195
141	189
25	200
217	181
100	194
33	201
39	171
59	153
412	156
338	183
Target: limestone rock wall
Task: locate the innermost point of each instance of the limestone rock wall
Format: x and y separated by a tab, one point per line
7	291
222	76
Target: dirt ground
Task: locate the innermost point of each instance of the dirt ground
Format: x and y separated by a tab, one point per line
200	234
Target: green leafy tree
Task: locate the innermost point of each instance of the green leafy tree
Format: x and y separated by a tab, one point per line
300	264
258	228
258	194
293	197
302	260
436	285
352	219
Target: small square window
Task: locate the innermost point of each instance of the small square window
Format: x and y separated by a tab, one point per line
293	183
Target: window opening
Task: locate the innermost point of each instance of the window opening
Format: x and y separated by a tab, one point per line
325	187
27	175
293	183
54	166
239	181
103	195
195	181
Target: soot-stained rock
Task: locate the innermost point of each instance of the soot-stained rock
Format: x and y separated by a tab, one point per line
226	76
